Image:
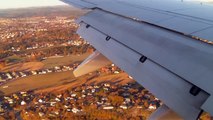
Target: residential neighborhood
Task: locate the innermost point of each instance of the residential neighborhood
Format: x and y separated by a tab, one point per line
79	102
9	76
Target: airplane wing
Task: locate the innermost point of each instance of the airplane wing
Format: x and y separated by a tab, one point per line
165	45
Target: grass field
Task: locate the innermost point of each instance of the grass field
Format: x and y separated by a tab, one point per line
59	81
37	82
58	61
55	81
48	63
113	79
27	66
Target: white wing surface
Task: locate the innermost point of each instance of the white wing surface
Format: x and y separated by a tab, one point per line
165	45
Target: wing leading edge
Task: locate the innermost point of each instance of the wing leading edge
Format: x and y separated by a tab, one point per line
178	69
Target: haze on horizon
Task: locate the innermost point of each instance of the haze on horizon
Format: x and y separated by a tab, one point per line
9	4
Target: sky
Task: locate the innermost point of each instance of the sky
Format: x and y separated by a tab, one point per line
6	4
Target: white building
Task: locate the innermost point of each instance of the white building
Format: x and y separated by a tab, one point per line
108	107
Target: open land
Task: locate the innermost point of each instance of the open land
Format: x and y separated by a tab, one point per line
39	50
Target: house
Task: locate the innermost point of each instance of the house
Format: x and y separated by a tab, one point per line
123	107
106	85
57	68
75	110
68	98
73	95
127	100
34	72
49	71
56	112
108	107
83	91
69	109
106	88
10	101
140	107
100	103
52	115
152	107
104	99
14	74
41	114
22	74
40	101
9	76
93	90
52	104
43	72
23	94
57	99
130	77
65	106
23	103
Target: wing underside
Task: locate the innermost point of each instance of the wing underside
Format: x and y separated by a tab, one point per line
157	48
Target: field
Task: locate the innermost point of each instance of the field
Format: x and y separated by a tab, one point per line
23	66
41	81
59	81
37	82
48	63
58	61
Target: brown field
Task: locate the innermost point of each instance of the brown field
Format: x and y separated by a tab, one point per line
23	66
121	79
58	61
59	81
37	82
48	63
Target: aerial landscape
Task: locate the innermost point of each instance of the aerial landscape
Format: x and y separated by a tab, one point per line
39	50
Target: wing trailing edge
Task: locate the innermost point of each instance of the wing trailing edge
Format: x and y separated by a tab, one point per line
168	87
168	51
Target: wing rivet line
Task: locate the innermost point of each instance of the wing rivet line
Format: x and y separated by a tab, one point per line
143	59
108	38
87	26
194	90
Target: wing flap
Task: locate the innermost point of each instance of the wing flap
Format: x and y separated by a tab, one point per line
162	83
176	40
92	63
184	56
